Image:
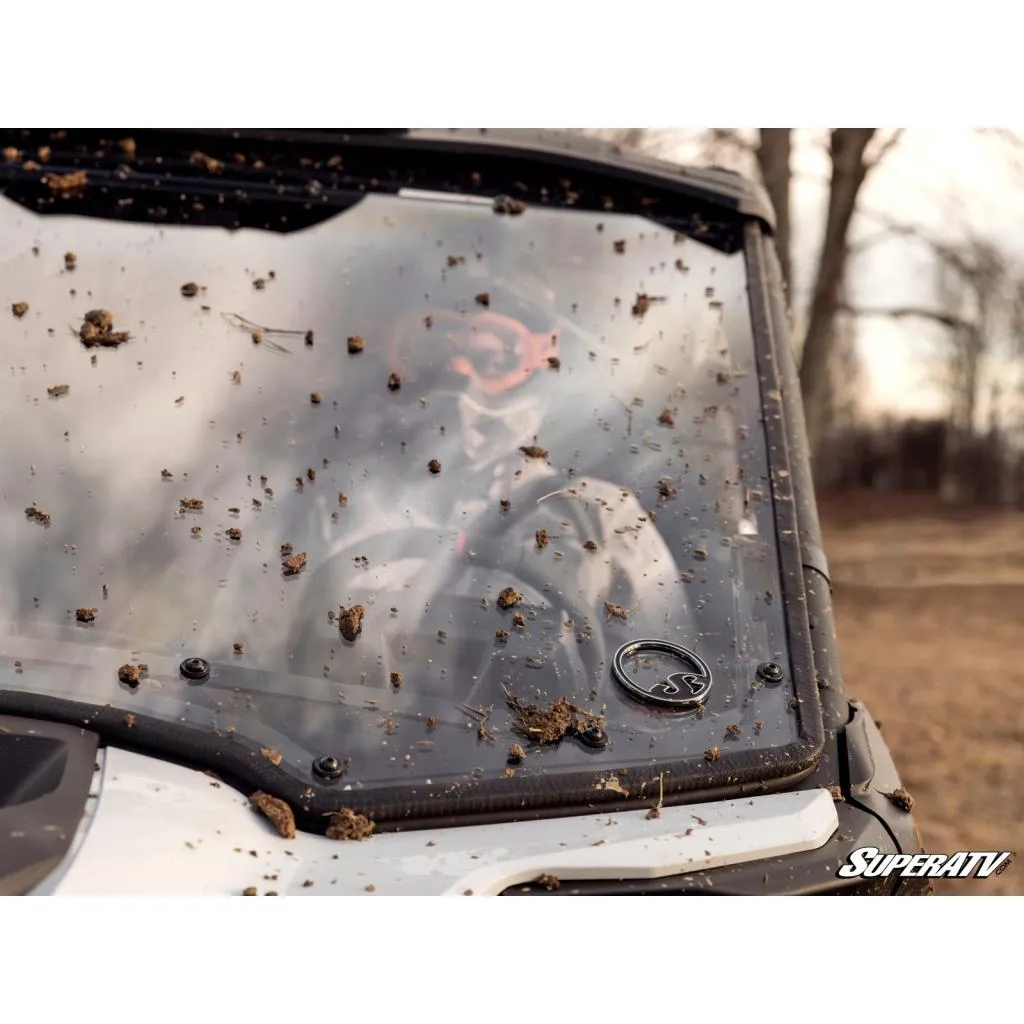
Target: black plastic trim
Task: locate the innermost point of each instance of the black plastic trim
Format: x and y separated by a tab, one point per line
35	834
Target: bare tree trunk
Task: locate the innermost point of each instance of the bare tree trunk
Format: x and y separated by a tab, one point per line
849	169
773	156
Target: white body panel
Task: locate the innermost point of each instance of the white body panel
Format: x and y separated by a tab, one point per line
159	829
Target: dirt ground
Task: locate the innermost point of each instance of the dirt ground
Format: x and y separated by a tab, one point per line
930	616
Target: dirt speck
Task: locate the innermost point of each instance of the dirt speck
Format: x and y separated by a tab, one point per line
260	283
734	730
238	647
250	890
190	504
550	882
518	620
38	515
233	533
432	721
620	246
616	611
397	679
316	398
370	888
483	299
86	614
589	545
508	205
355	344
132	674
65	184
276	811
434	466
294	565
837	794
129	721
534	451
901	799
271	754
190	289
509	598
19	309
350	621
98	330
309	337
541	537
70	261
549	724
394	382
516	754
667	418
712	754
347	825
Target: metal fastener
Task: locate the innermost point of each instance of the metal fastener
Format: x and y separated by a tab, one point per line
327	767
195	668
770	672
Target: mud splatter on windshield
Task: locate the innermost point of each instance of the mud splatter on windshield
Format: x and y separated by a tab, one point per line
412	516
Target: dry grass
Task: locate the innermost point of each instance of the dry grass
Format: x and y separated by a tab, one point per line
930	617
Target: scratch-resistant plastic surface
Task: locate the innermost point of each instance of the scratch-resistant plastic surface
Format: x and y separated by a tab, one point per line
161	829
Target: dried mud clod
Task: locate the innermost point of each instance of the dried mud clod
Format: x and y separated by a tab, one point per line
734	730
501	634
509	598
350	621
98	330
294	565
58	390
190	504
434	466
316	398
394	382
508	205
286	549
589	545
534	451
233	533
397	679
712	754
276	811
667	489
901	799
541	536
551	723
483	299
837	794
19	309
86	614
620	246
166	474
550	882
238	647
66	184
667	418
516	754
518	620
348	826
70	261
132	674
272	755
38	515
355	344
190	289
616	611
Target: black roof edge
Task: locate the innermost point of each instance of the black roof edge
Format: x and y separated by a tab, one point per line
714	185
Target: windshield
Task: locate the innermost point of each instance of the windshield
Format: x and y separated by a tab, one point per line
392	476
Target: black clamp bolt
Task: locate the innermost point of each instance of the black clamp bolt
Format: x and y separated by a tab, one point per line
594	736
770	672
195	668
328	767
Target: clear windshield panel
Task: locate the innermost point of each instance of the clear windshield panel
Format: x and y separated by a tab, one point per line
406	410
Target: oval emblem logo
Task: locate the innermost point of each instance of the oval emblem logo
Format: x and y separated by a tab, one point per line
686	687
